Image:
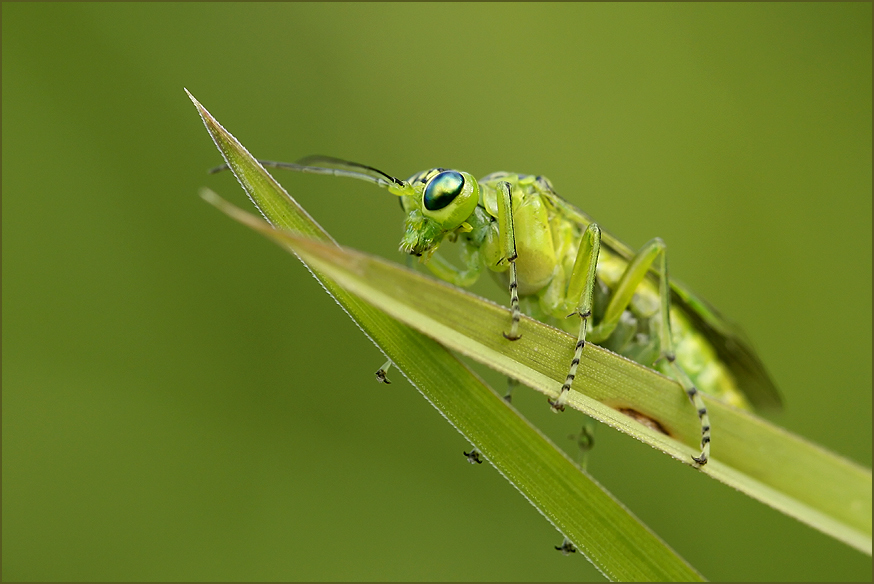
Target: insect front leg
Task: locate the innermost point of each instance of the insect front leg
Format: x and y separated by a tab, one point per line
471	257
581	288
634	274
507	237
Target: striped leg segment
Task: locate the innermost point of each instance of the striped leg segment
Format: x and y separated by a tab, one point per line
695	398
507	235
514	335
558	403
580	288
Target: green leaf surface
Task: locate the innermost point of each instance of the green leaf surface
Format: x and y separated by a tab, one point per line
752	455
611	538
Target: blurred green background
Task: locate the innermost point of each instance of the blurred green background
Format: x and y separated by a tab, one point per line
182	401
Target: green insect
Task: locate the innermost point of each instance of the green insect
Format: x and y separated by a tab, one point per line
557	263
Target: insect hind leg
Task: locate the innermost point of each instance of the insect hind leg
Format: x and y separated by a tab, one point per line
581	289
667	346
695	397
635	273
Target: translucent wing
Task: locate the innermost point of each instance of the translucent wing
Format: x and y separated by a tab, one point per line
732	346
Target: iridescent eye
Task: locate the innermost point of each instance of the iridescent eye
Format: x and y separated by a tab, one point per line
442	190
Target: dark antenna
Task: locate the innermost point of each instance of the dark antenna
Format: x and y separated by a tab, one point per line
319	160
331	166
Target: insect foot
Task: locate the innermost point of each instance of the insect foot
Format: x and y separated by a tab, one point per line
473	457
566	547
382	373
558	404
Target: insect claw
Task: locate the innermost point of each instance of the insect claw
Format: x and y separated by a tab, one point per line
558	404
382	373
473	457
566	547
512	337
700	460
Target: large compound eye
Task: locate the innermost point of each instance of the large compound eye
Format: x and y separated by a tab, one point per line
449	198
442	190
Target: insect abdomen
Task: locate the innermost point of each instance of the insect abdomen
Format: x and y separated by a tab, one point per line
693	351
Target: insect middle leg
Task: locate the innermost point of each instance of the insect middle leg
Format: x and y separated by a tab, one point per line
634	274
582	287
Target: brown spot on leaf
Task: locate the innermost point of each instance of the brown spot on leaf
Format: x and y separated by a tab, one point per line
645	420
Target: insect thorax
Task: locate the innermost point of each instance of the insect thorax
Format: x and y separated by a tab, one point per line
547	239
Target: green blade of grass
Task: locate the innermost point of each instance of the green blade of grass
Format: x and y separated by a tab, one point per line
605	532
776	467
789	473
